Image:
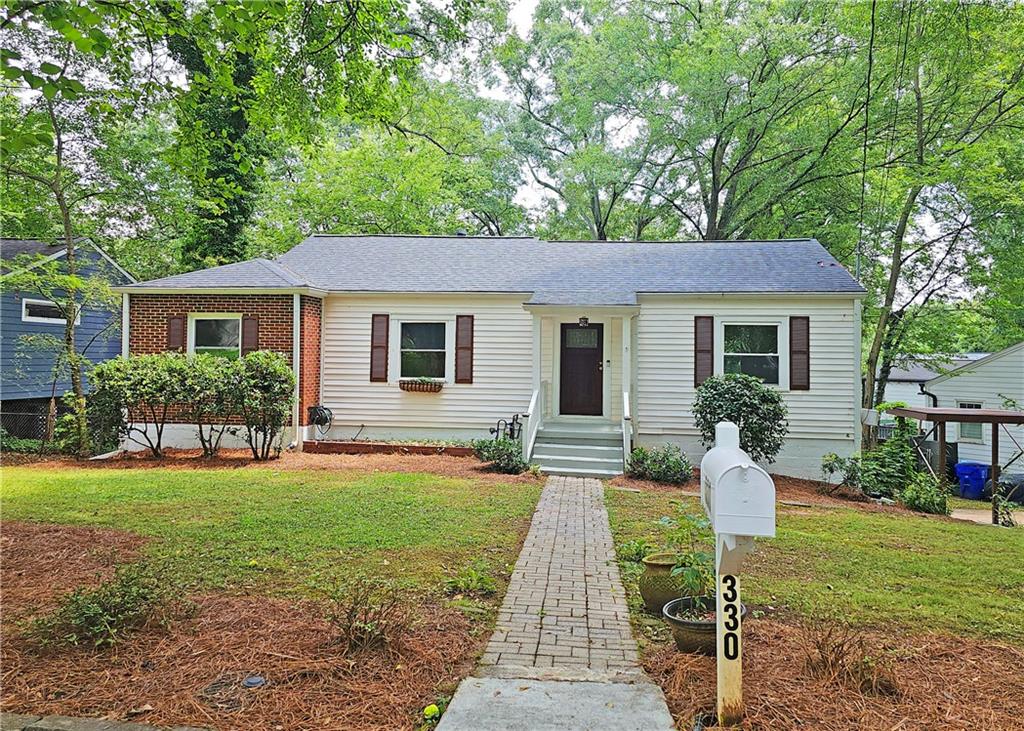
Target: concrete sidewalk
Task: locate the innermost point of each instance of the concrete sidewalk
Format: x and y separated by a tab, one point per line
562	655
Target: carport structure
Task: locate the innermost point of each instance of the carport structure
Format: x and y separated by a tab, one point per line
940	416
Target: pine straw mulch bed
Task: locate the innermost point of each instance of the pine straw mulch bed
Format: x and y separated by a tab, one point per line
792	490
941	682
190	672
439	464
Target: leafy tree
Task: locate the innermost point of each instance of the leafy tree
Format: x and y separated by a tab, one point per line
954	107
42	148
432	167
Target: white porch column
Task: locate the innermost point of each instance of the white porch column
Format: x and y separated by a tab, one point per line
536	352
627	357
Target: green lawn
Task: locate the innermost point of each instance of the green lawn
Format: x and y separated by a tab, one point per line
876	568
285	531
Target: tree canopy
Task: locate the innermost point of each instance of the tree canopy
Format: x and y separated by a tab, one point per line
201	133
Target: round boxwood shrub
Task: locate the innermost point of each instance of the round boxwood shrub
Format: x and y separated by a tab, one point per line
758	410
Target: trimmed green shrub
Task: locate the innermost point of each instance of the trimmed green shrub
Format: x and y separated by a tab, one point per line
101	616
262	394
146	388
924	494
210	382
758	410
660	464
504	455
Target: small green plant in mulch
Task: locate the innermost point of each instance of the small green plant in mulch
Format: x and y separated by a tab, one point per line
10	443
1004	511
474	580
635	549
103	615
366	613
504	455
660	464
925	495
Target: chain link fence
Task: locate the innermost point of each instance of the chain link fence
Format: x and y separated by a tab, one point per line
24	425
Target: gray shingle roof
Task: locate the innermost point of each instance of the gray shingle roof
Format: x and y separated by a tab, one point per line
254	274
554	272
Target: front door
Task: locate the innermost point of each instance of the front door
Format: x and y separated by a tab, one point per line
582	377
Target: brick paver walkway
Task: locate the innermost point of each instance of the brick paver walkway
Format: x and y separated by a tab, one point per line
565	606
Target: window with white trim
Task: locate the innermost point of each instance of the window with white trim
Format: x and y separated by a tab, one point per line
752	349
215	334
423	350
43	311
970	432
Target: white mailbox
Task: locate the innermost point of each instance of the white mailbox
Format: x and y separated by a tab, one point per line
738	496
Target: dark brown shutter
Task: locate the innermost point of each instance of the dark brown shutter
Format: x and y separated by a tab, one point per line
250	334
176	333
703	349
799	353
379	347
464	349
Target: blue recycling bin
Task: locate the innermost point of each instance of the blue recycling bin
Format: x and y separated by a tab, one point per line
972	477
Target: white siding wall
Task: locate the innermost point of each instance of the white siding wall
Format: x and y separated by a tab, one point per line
908	393
823	419
501	367
983	383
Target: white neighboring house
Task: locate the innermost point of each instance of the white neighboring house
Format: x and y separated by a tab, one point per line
904	384
599	345
985	383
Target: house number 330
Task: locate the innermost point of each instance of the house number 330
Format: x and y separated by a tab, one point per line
730	617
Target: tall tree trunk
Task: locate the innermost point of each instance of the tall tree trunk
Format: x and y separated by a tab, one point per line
885	310
82	447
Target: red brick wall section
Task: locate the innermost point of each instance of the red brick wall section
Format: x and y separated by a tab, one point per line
147	325
310	309
148	313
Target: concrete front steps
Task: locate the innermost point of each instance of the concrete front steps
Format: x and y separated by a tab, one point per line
579	449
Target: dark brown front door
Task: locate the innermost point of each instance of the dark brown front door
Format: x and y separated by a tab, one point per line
582	385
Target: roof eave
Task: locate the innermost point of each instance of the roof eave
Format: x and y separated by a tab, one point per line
143	289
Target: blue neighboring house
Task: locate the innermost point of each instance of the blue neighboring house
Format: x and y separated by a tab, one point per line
27	379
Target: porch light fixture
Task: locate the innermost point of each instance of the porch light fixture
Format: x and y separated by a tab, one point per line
584	322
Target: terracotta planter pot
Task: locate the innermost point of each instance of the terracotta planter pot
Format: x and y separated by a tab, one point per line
694	635
657	584
420	386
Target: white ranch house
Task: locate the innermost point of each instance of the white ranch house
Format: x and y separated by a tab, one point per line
986	383
598	345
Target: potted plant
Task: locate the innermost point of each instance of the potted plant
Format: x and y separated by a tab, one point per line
421	384
683	568
691	620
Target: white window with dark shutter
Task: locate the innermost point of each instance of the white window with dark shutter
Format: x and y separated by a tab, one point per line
431	348
755	347
215	334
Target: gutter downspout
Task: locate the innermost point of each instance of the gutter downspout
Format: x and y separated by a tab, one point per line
296	341
929	394
125	324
